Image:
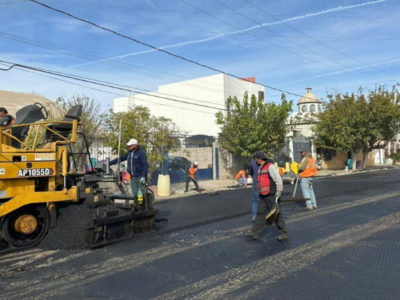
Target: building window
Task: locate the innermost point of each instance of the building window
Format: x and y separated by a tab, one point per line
312	108
260	95
304	108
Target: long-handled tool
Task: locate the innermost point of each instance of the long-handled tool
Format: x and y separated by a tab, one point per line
273	213
295	186
194	180
294	199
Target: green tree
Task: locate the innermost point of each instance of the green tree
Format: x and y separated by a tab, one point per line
253	125
354	122
155	135
91	124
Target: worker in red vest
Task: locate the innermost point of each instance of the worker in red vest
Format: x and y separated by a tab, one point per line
307	170
191	171
270	186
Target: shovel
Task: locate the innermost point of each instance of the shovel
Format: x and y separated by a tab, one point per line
273	213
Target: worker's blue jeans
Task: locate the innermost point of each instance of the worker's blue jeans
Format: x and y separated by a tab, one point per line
136	186
254	198
308	191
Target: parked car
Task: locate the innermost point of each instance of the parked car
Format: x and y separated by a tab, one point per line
176	169
178	162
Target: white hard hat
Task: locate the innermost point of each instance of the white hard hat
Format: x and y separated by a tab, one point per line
196	163
132	142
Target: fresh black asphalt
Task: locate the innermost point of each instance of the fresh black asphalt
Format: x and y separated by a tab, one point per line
347	249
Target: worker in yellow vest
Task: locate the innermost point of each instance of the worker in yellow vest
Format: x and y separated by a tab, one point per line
191	171
307	170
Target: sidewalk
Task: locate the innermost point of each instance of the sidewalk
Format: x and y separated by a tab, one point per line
213	186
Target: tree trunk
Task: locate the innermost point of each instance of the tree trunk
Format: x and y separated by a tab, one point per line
365	157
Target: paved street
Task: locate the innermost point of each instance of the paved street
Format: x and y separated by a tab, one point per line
346	249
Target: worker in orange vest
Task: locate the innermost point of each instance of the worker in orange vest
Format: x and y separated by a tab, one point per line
241	177
191	171
307	170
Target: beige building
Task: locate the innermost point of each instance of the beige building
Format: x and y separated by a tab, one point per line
14	101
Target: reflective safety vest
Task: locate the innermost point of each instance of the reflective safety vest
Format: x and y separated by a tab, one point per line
240	174
310	169
128	176
192	171
263	180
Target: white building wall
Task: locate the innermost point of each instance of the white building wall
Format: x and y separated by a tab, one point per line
236	87
192	119
122	104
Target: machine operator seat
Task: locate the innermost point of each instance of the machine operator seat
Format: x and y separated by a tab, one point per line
28	114
74	113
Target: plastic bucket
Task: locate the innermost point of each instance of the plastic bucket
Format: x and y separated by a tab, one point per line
163	185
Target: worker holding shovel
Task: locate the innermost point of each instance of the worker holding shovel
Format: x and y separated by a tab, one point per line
307	170
191	171
270	188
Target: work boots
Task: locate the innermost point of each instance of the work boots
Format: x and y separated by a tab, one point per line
249	234
282	236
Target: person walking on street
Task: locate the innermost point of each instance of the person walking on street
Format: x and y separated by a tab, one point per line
307	170
191	170
270	188
137	166
254	189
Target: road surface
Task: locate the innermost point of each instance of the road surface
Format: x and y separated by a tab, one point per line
349	248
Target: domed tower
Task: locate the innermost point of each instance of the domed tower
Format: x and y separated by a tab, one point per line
301	137
309	103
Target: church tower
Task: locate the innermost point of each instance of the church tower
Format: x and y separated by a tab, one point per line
309	103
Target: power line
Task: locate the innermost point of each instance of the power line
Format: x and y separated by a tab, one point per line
155	48
352	69
253	35
63	80
75	53
71	52
108	92
126	7
242	30
100	83
111	93
49	46
318	41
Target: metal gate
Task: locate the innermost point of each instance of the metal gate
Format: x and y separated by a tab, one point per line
178	161
300	142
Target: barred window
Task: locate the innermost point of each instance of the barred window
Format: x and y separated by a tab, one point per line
260	95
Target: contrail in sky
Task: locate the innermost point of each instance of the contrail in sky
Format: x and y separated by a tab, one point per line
348	70
322	12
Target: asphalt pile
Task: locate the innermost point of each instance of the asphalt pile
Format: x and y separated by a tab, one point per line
69	232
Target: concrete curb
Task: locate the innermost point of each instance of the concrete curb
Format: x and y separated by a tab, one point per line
353	172
215	189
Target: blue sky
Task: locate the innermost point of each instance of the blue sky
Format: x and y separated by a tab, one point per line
332	46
